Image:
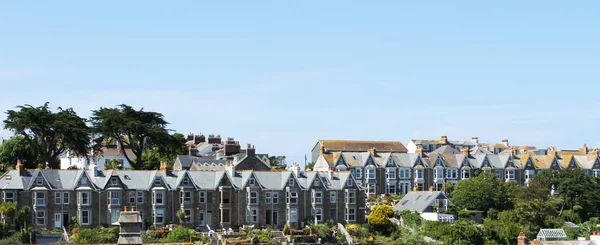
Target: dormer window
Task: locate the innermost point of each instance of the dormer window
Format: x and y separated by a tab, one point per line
186	182
84	181
291	182
157	182
114	182
251	182
8	177
39	180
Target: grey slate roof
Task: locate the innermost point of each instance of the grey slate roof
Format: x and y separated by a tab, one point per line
418	200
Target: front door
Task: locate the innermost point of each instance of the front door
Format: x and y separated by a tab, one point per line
57	220
268	217
66	220
275	218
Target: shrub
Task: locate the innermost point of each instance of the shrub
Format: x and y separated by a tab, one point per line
96	235
286	229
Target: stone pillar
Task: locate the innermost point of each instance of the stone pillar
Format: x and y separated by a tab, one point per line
130	223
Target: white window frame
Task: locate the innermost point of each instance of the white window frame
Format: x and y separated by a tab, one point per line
293	199
390	188
371	188
252	197
160	211
39	180
275	197
202	197
139	197
317	213
183	199
451	173
317	197
405	173
439	173
114	181
114	198
11	199
57	197
291	182
155	198
358	173
370	173
84	181
293	215
596	172
510	174
39	201
390	173
419	173
529	174
38	217
351	214
332	197
132	197
80	199
82	216
252	215
465	173
252	182
268	197
185	181
66	198
351	197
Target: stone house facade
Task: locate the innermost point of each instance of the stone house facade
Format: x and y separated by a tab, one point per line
220	199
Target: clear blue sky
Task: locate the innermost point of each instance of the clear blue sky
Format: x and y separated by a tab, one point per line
282	74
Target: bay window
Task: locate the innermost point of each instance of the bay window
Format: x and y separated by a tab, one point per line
317	197
390	173
370	173
439	173
510	174
390	188
351	197
332	197
158	198
351	214
451	173
404	173
39	198
293	197
466	173
419	173
529	174
84	198
252	197
114	198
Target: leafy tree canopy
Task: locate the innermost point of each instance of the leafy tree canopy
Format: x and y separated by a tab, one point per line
17	148
137	130
51	133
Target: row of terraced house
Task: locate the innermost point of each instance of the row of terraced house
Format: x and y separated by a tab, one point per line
245	192
229	187
390	168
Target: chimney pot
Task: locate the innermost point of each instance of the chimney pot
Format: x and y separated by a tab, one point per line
125	208
133	208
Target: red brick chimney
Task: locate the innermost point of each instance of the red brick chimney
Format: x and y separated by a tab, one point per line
521	239
20	168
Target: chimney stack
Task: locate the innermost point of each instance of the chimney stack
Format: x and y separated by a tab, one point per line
431	188
444	139
521	239
295	168
584	149
505	142
250	151
551	151
193	151
373	151
20	167
464	150
163	166
419	150
190	137
199	138
475	140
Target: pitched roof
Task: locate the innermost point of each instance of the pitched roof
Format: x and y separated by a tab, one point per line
446	149
363	145
551	234
419	200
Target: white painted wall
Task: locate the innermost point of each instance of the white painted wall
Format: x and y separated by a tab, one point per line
430	216
411	147
83	163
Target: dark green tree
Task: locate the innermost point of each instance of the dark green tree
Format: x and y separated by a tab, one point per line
17	148
51	133
138	130
277	162
483	193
